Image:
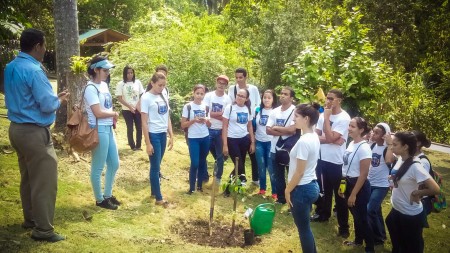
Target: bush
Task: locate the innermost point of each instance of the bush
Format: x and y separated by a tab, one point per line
191	47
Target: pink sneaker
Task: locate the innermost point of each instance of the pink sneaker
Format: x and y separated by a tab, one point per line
274	196
262	192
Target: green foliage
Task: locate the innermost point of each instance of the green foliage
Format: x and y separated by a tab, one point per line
79	64
176	103
273	32
410	105
191	47
234	186
342	60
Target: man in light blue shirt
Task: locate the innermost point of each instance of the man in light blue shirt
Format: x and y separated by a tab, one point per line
31	105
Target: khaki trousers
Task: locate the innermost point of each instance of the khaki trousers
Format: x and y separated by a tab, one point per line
39	176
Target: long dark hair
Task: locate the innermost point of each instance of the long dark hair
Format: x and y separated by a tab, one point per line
311	110
156	76
362	124
247	102
94	60
422	138
409	139
274	96
125	71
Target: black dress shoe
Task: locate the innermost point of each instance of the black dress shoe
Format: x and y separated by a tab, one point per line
53	238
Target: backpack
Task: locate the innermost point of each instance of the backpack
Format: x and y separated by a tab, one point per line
82	138
438	201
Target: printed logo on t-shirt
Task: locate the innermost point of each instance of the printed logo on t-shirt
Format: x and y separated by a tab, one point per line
199	113
242	117
162	107
346	155
263	120
279	122
216	107
131	94
108	100
376	160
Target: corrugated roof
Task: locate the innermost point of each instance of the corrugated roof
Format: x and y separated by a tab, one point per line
90	33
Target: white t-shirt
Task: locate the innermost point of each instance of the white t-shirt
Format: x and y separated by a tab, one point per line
130	92
157	110
261	121
339	123
307	148
379	171
237	120
401	195
425	163
354	153
196	130
103	98
278	118
255	99
216	104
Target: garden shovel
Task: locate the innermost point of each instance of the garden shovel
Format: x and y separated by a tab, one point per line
213	198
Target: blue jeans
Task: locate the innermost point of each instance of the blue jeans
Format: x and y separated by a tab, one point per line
302	198
105	152
264	163
158	141
216	149
198	151
375	215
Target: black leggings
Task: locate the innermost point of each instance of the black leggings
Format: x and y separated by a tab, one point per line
238	147
405	232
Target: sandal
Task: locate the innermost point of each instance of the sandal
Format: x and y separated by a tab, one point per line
162	203
352	243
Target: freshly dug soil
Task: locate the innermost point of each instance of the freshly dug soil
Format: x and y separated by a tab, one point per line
197	232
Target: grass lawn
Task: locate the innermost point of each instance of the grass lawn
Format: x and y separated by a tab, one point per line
140	226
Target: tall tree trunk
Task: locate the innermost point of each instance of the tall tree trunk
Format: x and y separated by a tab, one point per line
66	35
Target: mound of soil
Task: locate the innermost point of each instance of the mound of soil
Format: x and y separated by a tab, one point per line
197	232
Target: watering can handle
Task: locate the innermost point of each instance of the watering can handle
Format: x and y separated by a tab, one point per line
268	206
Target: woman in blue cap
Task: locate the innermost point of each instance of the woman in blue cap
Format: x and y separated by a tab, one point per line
99	108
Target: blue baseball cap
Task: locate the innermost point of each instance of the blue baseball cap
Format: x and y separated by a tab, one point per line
104	64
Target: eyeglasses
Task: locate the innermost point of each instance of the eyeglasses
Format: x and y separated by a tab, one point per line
241	96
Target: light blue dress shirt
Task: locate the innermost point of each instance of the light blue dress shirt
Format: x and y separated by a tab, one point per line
29	96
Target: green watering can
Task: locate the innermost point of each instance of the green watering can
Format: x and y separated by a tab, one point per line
261	219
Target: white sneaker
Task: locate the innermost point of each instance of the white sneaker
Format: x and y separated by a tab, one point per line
255	183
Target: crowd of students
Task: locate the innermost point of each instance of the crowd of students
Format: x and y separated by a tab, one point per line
319	164
310	146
